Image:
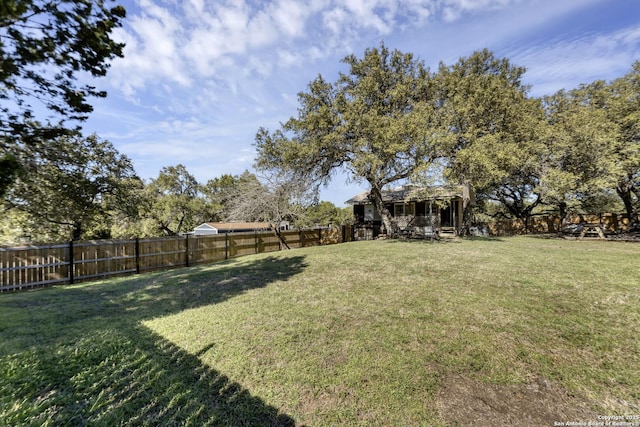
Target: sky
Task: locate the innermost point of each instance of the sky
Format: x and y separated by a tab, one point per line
200	77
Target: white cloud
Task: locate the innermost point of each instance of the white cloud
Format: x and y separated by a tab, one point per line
198	39
166	42
335	19
197	6
288	58
151	50
262	31
290	17
370	14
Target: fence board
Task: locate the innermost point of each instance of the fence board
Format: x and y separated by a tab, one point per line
310	238
206	249
268	242
291	238
160	253
241	244
103	258
32	266
331	236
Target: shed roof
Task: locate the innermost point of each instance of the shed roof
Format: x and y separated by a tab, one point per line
407	193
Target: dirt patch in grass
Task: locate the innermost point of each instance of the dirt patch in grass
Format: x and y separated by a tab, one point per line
463	401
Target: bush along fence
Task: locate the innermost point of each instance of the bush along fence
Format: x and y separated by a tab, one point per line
28	267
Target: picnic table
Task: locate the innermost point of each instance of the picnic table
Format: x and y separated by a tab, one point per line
592	230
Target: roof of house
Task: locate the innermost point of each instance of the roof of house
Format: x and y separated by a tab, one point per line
237	226
407	193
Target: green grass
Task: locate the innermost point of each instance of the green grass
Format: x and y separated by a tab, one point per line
354	334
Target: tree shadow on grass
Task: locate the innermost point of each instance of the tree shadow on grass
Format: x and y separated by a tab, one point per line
445	240
551	236
485	238
80	355
419	241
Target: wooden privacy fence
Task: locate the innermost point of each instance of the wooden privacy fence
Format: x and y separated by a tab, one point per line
29	267
552	223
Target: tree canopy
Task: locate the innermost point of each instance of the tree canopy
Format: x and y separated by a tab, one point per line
492	129
623	108
377	122
46	49
173	202
577	167
389	118
69	187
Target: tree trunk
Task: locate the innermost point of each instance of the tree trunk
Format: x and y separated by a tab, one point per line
562	207
378	204
468	203
166	230
77	231
624	190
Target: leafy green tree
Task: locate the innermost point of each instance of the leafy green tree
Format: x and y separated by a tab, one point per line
10	167
126	217
220	193
173	201
15	227
594	145
624	109
579	162
324	214
46	48
492	143
217	192
378	122
68	187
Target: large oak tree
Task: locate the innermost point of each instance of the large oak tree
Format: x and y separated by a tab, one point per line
578	167
623	108
492	142
377	122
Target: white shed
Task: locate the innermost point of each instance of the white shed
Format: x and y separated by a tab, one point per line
205	229
209	228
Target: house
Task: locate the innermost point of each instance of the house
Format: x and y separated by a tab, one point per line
229	227
416	211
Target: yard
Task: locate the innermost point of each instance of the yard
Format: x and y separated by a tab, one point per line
517	331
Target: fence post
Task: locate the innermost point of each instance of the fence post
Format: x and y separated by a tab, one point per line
319	236
255	237
71	272
226	245
300	238
137	253
186	250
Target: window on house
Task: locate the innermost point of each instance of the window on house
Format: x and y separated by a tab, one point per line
404	209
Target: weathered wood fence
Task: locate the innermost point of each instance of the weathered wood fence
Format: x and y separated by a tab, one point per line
29	267
553	224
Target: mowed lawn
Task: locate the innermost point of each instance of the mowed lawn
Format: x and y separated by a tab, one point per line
363	333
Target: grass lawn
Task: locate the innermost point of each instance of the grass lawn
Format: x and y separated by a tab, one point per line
365	333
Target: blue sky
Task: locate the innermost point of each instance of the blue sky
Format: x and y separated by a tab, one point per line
199	77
